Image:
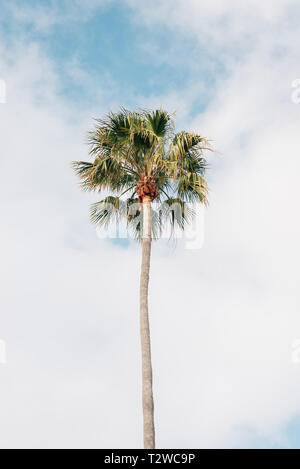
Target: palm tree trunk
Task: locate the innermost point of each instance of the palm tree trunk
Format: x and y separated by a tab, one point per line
148	409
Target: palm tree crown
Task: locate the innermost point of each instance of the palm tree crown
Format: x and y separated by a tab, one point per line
140	154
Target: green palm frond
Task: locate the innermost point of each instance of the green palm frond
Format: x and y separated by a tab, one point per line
158	122
129	147
176	213
192	188
104	173
185	143
107	211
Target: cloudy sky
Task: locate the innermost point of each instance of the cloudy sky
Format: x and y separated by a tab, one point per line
225	318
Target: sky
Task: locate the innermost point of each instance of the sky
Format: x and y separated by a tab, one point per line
225	323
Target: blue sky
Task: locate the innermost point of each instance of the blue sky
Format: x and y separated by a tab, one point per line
232	306
117	51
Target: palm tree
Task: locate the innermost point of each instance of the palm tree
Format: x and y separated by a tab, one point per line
162	173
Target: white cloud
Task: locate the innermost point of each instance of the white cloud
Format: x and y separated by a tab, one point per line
220	21
43	17
223	319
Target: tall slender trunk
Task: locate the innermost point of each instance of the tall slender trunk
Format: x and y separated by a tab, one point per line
148	409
